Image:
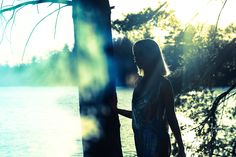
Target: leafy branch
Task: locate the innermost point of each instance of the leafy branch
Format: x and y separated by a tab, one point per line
211	121
136	20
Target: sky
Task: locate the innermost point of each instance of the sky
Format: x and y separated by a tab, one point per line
43	39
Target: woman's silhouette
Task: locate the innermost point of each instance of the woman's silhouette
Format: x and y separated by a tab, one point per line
152	104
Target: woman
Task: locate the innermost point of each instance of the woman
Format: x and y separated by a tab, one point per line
152	104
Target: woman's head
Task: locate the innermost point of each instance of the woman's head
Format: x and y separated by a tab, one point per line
148	57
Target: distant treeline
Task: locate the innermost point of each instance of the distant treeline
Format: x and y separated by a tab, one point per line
189	64
192	64
49	72
197	55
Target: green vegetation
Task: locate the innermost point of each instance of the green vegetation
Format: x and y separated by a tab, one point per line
56	70
211	130
200	57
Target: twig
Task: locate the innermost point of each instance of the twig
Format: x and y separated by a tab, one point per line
38	8
13	2
50	4
229	96
55	30
36	26
13	21
218	18
211	121
2	3
216	103
8	21
4	18
234	148
67	2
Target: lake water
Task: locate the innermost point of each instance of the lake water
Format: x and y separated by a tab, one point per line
44	122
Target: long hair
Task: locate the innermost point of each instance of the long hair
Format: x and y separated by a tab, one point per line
153	57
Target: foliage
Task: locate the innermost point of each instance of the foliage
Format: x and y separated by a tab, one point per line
196	50
143	24
201	56
197	56
53	71
212	128
199	51
135	21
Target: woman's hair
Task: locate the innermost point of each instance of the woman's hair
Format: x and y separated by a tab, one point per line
153	56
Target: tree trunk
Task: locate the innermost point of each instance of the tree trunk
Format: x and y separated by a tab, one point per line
93	51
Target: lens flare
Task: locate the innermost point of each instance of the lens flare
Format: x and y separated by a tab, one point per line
89	127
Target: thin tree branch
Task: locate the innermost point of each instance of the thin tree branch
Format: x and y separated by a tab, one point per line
13	21
218	100
50	4
55	30
218	18
5	20
13	2
36	27
2	3
67	2
234	148
8	21
38	8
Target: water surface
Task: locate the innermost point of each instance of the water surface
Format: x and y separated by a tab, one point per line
44	122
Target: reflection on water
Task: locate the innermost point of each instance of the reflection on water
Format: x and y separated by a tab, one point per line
127	140
44	122
39	122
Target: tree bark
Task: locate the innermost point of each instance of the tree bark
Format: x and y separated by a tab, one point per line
96	103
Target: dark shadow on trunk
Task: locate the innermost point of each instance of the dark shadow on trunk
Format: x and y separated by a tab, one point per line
96	15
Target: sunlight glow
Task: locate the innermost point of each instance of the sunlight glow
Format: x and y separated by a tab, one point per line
188	135
202	11
122	7
89	127
42	40
54	129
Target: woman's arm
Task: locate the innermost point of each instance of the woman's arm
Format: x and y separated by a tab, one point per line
113	103
125	113
171	116
122	112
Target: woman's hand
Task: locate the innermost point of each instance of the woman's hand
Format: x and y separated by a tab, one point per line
123	112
